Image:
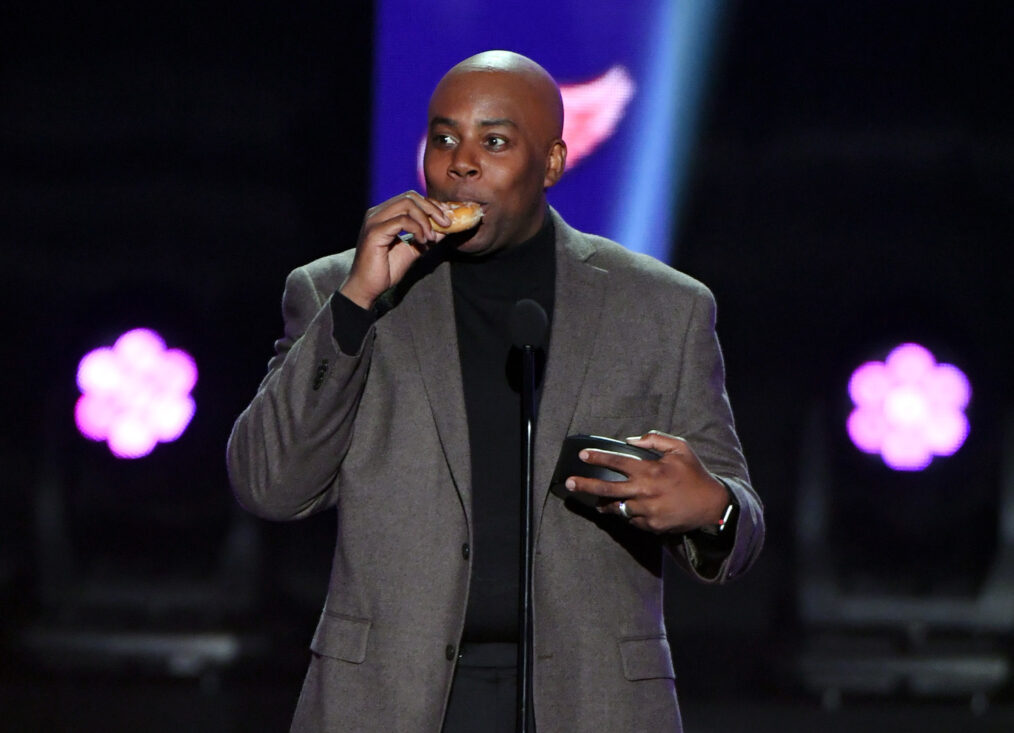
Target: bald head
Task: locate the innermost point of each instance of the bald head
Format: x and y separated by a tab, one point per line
543	89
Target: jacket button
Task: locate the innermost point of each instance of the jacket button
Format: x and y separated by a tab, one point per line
321	373
449	652
466	551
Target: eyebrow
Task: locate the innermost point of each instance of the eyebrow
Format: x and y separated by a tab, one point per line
500	121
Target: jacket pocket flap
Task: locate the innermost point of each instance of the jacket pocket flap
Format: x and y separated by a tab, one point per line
646	658
631	405
341	637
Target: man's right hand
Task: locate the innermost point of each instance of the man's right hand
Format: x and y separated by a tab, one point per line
382	258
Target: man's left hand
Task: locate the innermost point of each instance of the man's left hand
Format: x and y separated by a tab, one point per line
676	493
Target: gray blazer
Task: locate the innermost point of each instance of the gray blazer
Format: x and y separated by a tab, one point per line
382	436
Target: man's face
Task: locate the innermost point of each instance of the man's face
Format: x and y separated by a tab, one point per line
489	141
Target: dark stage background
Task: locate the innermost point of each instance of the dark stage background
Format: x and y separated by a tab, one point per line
852	188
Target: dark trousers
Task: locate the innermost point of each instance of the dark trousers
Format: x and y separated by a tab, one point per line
484	691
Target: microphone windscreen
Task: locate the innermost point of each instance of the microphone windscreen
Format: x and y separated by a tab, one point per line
529	324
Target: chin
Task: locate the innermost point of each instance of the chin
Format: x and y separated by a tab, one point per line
476	243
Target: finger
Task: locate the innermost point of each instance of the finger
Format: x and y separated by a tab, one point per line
422	220
403	256
610	459
657	440
393	205
428	207
386	232
598	487
636	515
410	203
613	507
435	210
410	239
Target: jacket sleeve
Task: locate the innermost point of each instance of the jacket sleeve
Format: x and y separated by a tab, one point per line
286	447
704	417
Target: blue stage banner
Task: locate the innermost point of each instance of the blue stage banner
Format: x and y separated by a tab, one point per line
630	73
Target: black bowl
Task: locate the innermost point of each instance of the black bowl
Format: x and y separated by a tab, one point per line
568	464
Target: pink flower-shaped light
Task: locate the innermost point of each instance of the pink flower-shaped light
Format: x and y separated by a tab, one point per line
908	408
135	394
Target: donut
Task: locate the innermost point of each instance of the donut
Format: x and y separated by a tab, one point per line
463	215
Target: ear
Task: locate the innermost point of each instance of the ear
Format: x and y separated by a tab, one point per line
556	162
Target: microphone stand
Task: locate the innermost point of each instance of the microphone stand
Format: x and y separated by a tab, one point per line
529	326
526	647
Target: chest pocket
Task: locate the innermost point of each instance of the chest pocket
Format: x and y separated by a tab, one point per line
620	415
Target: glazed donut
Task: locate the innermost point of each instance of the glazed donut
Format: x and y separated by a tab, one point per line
463	215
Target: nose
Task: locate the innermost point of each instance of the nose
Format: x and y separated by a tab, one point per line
463	164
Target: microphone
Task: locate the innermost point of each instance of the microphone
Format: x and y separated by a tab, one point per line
529	324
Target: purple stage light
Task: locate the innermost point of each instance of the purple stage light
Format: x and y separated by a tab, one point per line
135	393
908	408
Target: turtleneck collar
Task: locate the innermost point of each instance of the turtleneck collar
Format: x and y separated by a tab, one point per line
531	249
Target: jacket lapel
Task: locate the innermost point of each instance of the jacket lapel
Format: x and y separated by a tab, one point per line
578	307
428	310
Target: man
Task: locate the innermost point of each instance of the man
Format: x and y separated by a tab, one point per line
390	399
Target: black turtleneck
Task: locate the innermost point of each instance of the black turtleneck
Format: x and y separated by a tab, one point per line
485	292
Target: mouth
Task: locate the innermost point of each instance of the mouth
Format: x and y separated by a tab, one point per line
465	197
483	205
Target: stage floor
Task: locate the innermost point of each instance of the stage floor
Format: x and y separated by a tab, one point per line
113	704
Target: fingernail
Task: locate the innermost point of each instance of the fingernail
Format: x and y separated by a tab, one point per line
583	455
570	484
635	437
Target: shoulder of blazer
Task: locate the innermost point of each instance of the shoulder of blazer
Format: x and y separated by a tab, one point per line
326	273
626	268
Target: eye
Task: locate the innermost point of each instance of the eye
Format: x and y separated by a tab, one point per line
442	140
496	142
